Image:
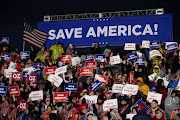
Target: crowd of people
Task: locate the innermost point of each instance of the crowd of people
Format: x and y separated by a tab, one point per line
78	106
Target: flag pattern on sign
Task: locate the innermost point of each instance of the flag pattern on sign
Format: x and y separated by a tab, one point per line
34	36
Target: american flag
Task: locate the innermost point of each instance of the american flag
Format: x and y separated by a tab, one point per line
34	36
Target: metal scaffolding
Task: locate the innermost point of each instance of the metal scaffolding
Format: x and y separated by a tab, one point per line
49	18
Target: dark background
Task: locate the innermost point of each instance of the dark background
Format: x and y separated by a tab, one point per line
13	12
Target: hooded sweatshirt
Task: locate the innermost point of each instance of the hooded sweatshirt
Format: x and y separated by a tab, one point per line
144	87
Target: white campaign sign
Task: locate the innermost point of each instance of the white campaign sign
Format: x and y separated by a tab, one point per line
130	46
151	77
130	116
130	89
75	61
154	53
115	60
56	79
169	43
60	70
154	96
117	88
110	104
91	99
145	44
36	95
8	72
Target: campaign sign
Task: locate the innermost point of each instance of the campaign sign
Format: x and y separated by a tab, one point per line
89	57
22	105
17	76
131	56
32	78
115	60
55	79
5	40
65	58
117	88
130	89
130	116
140	61
25	73
91	64
8	72
36	95
95	85
140	102
86	71
75	60
172	47
50	70
3	90
61	70
155	44
168	43
36	66
60	96
100	57
110	104
46	55
131	77
101	78
14	90
130	46
154	53
145	44
154	96
6	56
25	54
71	87
47	113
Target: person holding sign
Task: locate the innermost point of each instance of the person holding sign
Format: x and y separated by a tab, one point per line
143	88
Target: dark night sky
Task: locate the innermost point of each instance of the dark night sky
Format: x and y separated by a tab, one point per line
14	12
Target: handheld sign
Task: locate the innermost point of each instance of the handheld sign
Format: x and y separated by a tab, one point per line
89	57
65	58
132	56
145	44
3	90
36	95
117	88
130	89
8	72
56	79
140	102
172	47
178	85
5	40
36	66
71	87
100	57
14	90
60	96
50	70
101	78
46	55
115	60
95	85
131	77
154	96
22	105
130	116
17	76
130	46
25	54
32	78
168	43
6	56
25	73
155	44
91	99
91	64
60	70
86	71
75	61
140	61
154	53
47	113
110	104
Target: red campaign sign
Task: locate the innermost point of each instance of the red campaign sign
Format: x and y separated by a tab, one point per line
17	76
65	58
46	114
46	55
86	71
131	77
91	64
14	90
101	78
22	105
32	78
50	70
60	96
79	70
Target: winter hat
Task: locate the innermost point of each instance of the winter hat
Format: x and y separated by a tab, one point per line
152	89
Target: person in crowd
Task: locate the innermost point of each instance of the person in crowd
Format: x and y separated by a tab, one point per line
70	50
162	75
143	88
56	51
159	115
107	50
95	49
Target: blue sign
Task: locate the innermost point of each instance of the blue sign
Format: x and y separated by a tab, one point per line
100	57
154	44
3	90
95	85
132	56
6	56
140	102
36	66
112	31
172	47
24	54
89	57
25	75
71	87
140	61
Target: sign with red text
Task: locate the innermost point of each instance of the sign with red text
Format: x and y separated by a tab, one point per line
154	96
65	58
36	95
117	88
130	89
86	71
154	53
8	72
60	70
32	78
91	64
47	113
22	105
46	55
115	60
130	46
131	77
17	76
75	61
14	90
55	79
101	78
50	70
110	104
145	44
60	96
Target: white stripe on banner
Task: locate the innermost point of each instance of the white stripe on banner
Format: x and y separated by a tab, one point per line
31	42
28	36
38	37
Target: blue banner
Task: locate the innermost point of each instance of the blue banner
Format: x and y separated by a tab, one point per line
24	54
111	31
3	90
100	57
89	57
154	44
6	56
132	56
36	66
140	61
172	47
95	85
140	102
71	87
